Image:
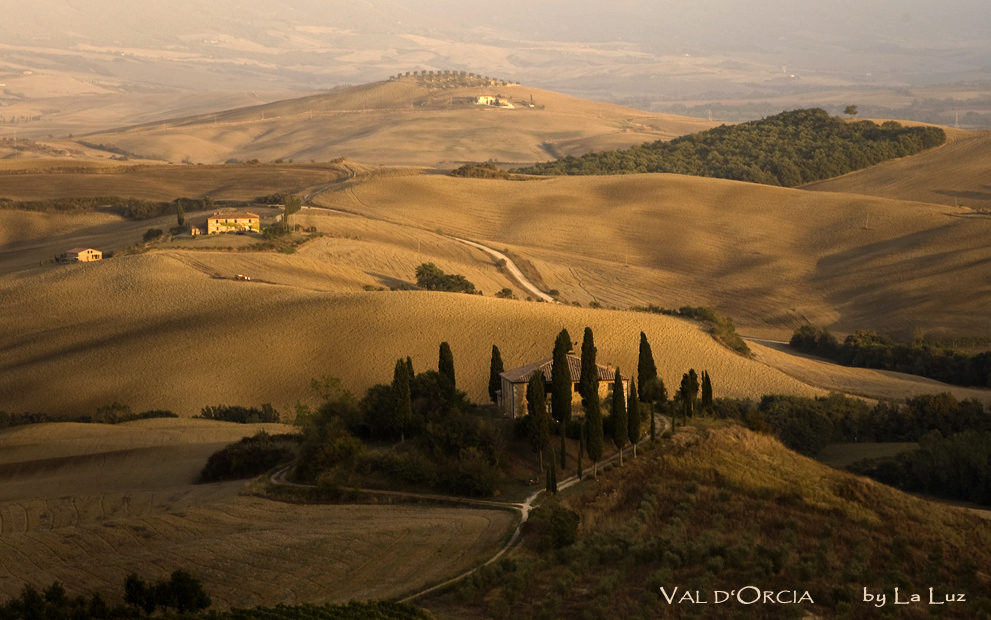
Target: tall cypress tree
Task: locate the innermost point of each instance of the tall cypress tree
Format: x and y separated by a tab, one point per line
620	433
693	391
552	474
581	448
633	418
402	413
180	213
706	393
561	388
445	365
646	369
588	382
495	369
409	368
538	427
594	439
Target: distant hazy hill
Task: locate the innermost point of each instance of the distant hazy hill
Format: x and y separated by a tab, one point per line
787	149
405	122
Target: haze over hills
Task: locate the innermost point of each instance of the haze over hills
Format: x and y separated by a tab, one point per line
403	122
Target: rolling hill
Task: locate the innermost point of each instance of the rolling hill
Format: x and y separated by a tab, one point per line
402	122
954	174
771	258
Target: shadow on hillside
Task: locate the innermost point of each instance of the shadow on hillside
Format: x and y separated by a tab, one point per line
391	282
963	194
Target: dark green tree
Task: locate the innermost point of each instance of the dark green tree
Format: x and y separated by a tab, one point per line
495	369
402	414
619	419
180	213
850	110
445	364
693	391
292	206
409	368
186	593
633	417
706	393
561	388
581	448
139	595
594	435
538	426
588	381
552	474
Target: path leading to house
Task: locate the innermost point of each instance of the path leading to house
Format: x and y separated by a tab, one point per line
524	508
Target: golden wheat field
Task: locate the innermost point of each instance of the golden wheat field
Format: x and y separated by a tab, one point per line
954	174
771	258
165	183
88	504
400	122
160	333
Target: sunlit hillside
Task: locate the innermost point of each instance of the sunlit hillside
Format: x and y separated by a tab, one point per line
403	122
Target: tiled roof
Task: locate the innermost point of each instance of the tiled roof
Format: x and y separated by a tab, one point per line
523	373
78	250
237	215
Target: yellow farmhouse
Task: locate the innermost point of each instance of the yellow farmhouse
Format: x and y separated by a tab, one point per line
80	255
232	221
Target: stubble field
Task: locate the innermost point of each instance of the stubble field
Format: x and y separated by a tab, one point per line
88	504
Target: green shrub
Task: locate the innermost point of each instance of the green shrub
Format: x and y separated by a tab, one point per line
250	457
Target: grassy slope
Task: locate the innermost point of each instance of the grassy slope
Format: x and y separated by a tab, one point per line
164	334
402	123
954	174
771	258
726	509
88	504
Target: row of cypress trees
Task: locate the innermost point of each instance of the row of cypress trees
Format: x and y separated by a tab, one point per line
628	411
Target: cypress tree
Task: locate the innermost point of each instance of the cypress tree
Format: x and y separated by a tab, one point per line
495	369
552	474
402	413
646	369
706	393
581	448
633	417
445	365
618	412
409	368
180	213
593	419
693	391
538	428
561	388
588	382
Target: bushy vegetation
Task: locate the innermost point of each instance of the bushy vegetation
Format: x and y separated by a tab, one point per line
788	149
110	148
241	415
182	596
430	277
552	525
480	171
955	467
250	457
181	593
725	509
806	425
115	413
721	327
442	446
867	349
130	208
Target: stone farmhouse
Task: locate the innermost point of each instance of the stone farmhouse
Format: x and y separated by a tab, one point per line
232	221
80	255
512	396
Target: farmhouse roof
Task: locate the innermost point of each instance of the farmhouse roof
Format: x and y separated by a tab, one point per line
77	250
239	215
523	373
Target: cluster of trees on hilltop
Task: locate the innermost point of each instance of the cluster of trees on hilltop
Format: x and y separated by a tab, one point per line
868	349
430	277
789	149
